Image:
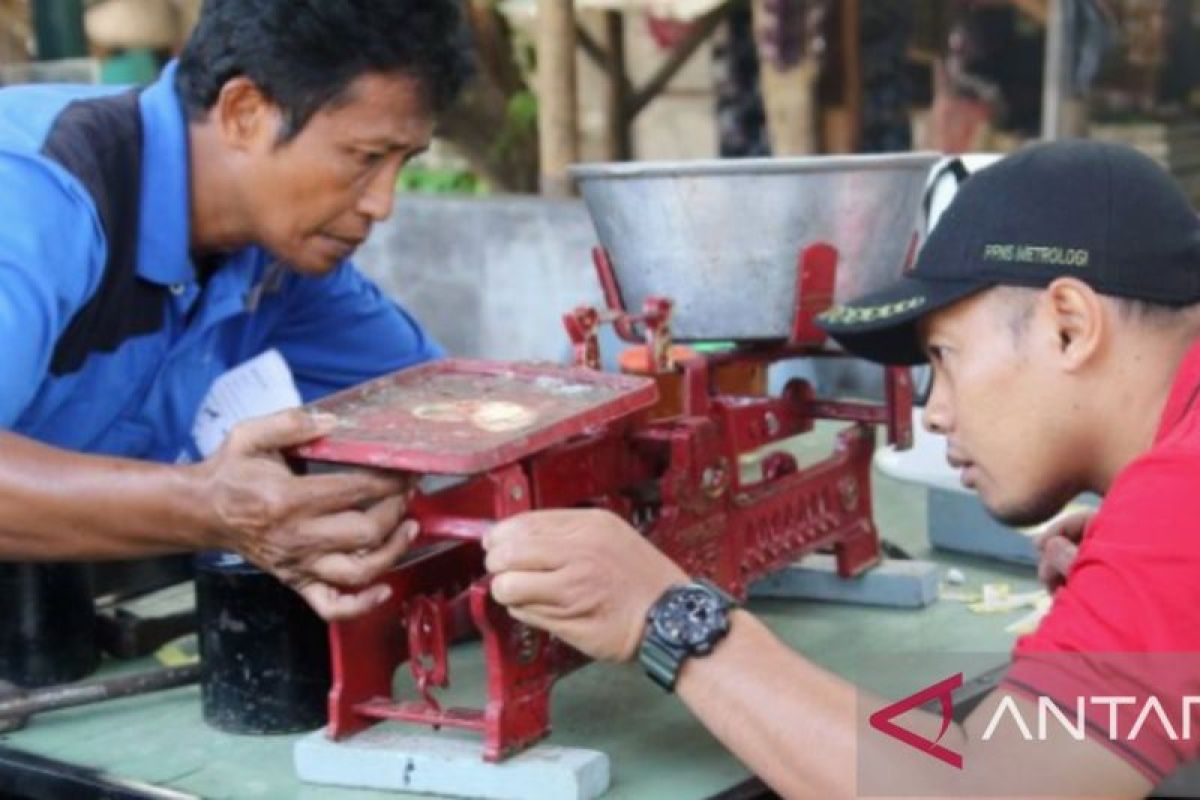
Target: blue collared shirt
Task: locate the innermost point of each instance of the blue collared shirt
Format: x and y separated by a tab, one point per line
140	399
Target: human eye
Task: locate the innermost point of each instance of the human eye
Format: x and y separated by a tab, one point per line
371	158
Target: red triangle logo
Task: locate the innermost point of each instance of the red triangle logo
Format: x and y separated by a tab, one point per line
881	720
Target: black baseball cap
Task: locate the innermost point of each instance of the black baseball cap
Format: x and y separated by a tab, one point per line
1103	213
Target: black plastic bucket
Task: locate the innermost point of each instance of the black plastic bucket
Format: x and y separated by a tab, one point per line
47	624
264	653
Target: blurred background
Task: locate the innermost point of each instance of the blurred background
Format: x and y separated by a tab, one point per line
561	81
679	79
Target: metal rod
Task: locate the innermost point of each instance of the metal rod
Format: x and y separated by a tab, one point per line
53	698
847	412
461	528
1055	89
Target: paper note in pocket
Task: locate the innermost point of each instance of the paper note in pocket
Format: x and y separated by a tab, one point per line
257	388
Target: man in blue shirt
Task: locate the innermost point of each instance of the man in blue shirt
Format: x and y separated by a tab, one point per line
152	241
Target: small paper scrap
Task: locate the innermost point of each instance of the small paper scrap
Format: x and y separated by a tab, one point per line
998	598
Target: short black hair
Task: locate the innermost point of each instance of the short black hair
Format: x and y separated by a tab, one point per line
1021	301
303	54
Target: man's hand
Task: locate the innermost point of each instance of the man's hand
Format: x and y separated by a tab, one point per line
322	534
585	577
1058	545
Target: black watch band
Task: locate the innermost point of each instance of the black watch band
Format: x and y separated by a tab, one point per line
688	620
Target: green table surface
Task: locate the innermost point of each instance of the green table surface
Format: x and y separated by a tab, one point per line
657	749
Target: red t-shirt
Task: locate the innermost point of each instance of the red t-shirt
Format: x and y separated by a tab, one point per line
1127	622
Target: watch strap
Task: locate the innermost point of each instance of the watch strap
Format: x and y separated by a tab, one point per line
663	660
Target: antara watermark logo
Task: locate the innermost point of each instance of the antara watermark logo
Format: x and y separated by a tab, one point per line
943	692
1046	719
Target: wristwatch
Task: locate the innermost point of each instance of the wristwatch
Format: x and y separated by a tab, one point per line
688	620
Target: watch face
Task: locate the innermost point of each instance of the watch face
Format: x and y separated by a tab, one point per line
688	616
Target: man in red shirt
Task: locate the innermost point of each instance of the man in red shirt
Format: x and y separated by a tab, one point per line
1058	302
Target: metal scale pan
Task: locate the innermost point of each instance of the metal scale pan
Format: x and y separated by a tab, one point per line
723	238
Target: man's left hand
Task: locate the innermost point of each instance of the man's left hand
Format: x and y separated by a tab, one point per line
1058	546
586	577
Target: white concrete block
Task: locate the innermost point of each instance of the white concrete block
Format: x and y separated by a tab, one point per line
391	756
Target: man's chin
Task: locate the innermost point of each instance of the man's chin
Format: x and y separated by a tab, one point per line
1028	514
316	255
314	266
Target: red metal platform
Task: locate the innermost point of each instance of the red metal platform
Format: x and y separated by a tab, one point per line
462	417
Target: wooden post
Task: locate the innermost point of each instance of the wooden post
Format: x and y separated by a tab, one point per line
843	123
619	144
557	110
15	25
789	99
701	30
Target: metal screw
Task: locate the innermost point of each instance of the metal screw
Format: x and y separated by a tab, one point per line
848	489
527	644
772	424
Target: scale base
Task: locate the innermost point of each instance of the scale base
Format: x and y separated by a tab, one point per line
390	757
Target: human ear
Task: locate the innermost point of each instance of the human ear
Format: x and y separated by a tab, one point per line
246	118
1076	316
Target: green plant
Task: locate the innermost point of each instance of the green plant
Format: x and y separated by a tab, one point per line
419	179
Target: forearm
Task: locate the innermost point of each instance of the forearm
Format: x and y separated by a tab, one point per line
805	732
588	578
800	728
58	505
803	729
788	721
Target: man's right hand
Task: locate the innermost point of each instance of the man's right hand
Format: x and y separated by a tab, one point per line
328	536
1058	545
